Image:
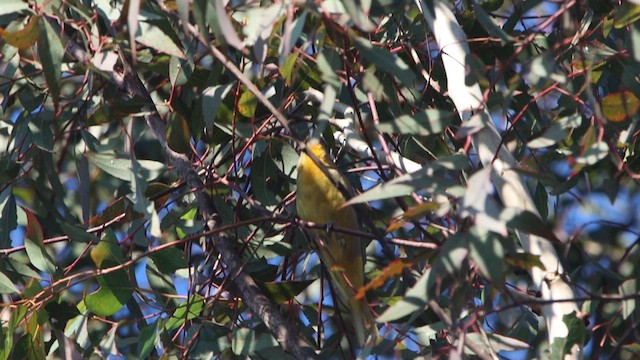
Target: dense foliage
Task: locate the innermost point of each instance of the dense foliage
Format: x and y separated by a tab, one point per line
148	157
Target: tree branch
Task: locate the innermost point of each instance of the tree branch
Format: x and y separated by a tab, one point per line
286	334
468	99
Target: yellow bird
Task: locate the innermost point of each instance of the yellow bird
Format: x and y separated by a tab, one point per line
318	200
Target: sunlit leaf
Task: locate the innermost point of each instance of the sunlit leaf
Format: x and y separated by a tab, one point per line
619	106
626	14
412	213
6	285
12	6
247	104
123	168
187	310
576	335
155	37
550	137
211	99
25	37
425	179
427	122
594	153
628	289
523	261
34	244
392	270
494	342
115	289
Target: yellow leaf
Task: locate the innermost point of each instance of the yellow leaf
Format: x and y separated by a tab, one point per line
392	270
412	213
25	37
247	104
618	106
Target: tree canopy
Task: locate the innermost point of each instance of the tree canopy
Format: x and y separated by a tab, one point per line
148	155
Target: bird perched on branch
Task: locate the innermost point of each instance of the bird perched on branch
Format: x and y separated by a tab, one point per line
321	193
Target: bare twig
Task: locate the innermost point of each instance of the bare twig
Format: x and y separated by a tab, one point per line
286	334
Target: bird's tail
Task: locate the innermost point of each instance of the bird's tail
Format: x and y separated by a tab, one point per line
358	315
364	324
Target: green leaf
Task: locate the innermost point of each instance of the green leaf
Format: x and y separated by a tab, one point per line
414	300
76	233
123	168
596	152
6	285
169	260
14	265
359	13
634	34
428	333
626	14
486	249
550	137
211	99
263	173
12	6
161	282
628	288
479	202
51	51
633	348
115	289
524	261
494	342
8	216
281	292
41	134
427	122
188	310
286	69
286	161
249	341
141	202
107	253
220	23
541	71
155	37
385	61
577	334
180	70
147	339
34	245
528	222
259	22
452	255
208	340
178	135
247	104
541	199
488	24
66	346
425	179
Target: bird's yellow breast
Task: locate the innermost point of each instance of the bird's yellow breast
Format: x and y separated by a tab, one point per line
318	198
